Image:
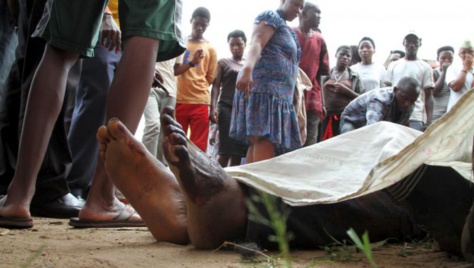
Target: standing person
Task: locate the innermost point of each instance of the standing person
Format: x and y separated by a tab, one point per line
157	38
193	100
52	197
340	87
441	90
315	63
393	56
90	102
371	74
230	151
263	112
414	67
459	77
8	41
162	94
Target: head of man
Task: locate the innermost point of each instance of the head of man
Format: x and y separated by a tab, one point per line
200	21
411	42
366	49
445	56
396	55
466	50
343	56
406	92
310	16
237	42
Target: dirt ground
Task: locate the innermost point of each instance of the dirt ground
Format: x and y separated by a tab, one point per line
52	243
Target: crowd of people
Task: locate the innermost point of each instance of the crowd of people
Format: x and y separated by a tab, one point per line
68	79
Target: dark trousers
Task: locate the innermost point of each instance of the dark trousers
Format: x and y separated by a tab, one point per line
51	180
88	116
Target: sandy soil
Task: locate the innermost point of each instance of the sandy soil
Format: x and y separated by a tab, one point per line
52	243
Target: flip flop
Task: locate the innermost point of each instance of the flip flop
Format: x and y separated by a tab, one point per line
11	222
122	220
15	222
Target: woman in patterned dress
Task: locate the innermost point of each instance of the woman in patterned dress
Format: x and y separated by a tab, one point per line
263	112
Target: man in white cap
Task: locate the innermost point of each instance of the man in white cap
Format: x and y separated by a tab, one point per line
414	67
459	77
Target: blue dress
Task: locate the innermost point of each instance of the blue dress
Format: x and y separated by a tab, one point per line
269	112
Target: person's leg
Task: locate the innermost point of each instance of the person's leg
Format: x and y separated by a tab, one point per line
223	160
45	100
183	116
89	115
151	131
146	183
199	124
263	149
164	101
126	101
214	201
312	123
418	125
235	160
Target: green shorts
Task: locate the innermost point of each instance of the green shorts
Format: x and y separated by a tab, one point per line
74	25
159	19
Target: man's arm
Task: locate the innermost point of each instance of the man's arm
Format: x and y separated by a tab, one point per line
110	34
428	105
184	67
374	112
216	89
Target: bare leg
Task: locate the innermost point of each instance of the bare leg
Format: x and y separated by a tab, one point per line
215	202
148	185
126	101
235	160
44	104
260	149
223	160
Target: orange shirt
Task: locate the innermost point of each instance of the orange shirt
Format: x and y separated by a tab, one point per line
193	85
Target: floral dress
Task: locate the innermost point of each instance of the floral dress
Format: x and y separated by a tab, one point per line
268	111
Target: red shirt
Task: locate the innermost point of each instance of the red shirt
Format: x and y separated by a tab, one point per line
314	62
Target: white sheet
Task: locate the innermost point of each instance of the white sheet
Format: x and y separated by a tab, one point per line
365	160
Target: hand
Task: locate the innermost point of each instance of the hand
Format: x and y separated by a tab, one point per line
110	35
445	66
244	81
338	87
212	141
158	76
467	62
213	116
198	56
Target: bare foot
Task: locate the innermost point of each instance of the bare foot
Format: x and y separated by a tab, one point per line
146	183
215	202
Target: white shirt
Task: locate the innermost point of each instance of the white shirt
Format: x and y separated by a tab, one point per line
451	74
419	70
372	75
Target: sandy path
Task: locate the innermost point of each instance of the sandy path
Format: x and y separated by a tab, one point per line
52	243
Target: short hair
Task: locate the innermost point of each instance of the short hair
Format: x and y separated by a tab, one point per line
237	34
444	48
402	53
409	82
308	5
344	47
365	38
201	12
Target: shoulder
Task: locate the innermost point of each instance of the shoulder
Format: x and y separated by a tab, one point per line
270	17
